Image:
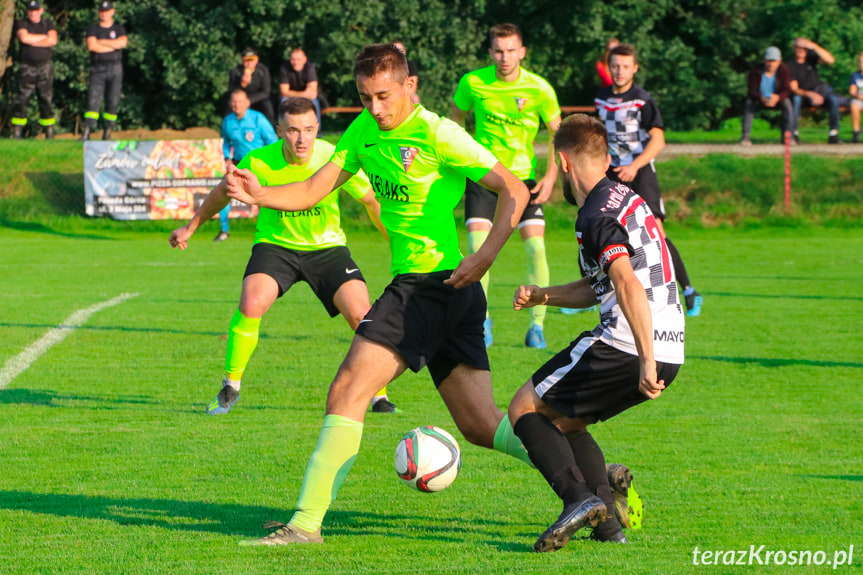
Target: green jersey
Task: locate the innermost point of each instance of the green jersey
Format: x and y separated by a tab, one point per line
508	114
418	172
318	227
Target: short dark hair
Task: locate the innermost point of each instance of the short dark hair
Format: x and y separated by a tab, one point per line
295	107
624	50
377	59
581	134
504	30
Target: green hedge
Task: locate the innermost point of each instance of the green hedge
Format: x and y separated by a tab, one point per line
694	53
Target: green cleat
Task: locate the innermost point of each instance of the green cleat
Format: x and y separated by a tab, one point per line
628	506
223	403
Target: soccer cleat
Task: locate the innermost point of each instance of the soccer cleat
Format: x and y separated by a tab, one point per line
628	506
383	405
486	332
618	537
223	403
535	338
221	236
693	304
281	534
590	511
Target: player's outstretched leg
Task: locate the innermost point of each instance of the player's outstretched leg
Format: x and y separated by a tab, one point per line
537	274
368	367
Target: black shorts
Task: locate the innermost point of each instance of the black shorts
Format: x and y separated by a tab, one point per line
324	270
594	381
430	323
645	185
480	205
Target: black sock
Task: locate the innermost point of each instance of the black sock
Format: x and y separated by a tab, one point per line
551	454
679	268
591	461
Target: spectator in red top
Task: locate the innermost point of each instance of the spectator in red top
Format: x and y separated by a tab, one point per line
602	65
770	88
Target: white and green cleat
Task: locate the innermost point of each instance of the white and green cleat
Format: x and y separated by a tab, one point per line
226	399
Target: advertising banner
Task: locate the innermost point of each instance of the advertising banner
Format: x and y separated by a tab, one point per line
153	180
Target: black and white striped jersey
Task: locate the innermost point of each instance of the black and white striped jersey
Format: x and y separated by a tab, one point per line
628	117
613	222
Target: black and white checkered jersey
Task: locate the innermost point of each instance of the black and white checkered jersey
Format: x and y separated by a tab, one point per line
613	222
628	117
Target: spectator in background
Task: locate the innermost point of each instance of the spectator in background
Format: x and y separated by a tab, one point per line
413	71
254	79
299	79
807	88
769	87
602	65
856	103
243	130
105	40
37	36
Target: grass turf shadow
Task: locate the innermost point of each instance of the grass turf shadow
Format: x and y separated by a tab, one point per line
233	519
63	192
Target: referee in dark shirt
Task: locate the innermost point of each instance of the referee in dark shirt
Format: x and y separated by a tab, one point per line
105	41
37	36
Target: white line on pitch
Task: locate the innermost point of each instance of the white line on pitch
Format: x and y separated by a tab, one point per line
53	336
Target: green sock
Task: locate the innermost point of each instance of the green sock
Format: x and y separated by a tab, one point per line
242	340
506	441
537	273
474	241
338	445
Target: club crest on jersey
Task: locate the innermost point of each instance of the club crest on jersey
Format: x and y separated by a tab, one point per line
520	102
250	136
408	155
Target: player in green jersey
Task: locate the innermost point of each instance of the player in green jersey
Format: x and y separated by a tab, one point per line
431	314
290	246
508	103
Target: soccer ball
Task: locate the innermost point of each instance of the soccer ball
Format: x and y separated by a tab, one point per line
428	459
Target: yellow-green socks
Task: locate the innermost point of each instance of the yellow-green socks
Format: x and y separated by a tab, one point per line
242	340
338	445
506	441
474	241
537	273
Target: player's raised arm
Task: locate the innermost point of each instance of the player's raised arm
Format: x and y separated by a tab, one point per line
244	186
215	201
512	198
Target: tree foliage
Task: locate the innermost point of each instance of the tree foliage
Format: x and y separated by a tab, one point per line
693	54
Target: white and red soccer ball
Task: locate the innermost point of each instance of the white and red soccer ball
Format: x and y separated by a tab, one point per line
428	459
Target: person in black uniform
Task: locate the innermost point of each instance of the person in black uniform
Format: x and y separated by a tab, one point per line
37	36
635	138
105	41
253	77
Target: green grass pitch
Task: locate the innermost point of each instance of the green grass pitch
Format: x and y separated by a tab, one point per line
108	463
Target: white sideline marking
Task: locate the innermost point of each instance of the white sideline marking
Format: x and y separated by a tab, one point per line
53	336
